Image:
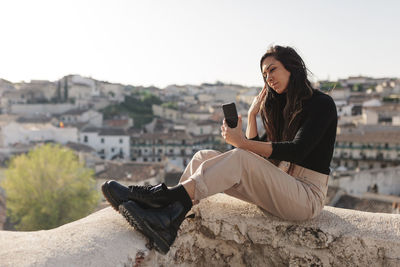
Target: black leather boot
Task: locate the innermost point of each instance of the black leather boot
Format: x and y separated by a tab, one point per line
148	196
160	226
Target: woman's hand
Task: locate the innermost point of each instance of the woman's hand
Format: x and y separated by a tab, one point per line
255	106
233	136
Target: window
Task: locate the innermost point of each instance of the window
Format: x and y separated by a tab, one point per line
112	149
102	140
145	159
121	140
85	139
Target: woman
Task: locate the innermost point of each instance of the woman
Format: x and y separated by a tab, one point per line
284	172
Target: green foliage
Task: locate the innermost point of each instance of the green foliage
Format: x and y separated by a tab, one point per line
48	187
171	105
392	99
357	88
327	86
138	106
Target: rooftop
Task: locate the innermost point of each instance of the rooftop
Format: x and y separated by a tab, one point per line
75	112
131	171
370	137
104	131
80	147
36	119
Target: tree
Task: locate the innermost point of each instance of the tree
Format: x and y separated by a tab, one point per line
48	187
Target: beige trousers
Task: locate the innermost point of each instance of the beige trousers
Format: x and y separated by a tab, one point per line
289	191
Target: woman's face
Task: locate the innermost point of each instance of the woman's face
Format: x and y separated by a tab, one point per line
275	74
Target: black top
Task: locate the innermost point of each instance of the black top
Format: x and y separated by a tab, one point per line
313	145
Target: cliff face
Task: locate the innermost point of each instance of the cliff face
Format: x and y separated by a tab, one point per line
225	231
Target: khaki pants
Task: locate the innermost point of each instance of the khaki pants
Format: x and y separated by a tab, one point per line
290	192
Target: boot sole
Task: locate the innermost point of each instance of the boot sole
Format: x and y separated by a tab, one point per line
109	197
142	226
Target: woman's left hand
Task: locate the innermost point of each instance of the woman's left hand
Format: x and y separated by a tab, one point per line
233	136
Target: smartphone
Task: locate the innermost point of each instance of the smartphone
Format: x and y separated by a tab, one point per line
230	113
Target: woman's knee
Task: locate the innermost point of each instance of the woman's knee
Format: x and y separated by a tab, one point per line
206	154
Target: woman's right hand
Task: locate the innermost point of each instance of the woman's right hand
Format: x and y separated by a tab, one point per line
255	106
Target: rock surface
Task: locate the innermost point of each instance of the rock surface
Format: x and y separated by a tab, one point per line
103	238
225	232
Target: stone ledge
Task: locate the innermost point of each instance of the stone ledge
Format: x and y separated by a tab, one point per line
225	231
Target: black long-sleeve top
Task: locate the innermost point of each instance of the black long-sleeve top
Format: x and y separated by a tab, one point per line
312	147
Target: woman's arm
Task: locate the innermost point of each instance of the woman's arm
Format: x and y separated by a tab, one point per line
235	137
251	130
263	149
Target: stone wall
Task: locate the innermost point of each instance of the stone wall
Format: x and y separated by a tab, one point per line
225	232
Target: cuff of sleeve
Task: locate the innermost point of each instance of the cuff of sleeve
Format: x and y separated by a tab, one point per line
274	150
255	138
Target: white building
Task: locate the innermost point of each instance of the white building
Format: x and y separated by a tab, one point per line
114	92
202	127
25	132
367	147
89	82
75	116
79	91
167	113
31	109
248	95
205	98
340	93
384	114
357	183
110	143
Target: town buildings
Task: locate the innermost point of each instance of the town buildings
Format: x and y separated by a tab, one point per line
70	112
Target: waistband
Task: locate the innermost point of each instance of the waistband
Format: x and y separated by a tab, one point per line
301	173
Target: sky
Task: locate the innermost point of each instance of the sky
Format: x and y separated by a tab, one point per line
163	42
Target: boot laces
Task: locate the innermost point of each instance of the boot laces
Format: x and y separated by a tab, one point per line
140	188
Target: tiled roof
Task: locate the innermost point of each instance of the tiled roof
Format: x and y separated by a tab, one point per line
91	129
112	131
373	137
75	112
132	171
175	135
386	107
40	119
116	122
80	147
105	131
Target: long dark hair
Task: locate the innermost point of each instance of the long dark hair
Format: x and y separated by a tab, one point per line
282	126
